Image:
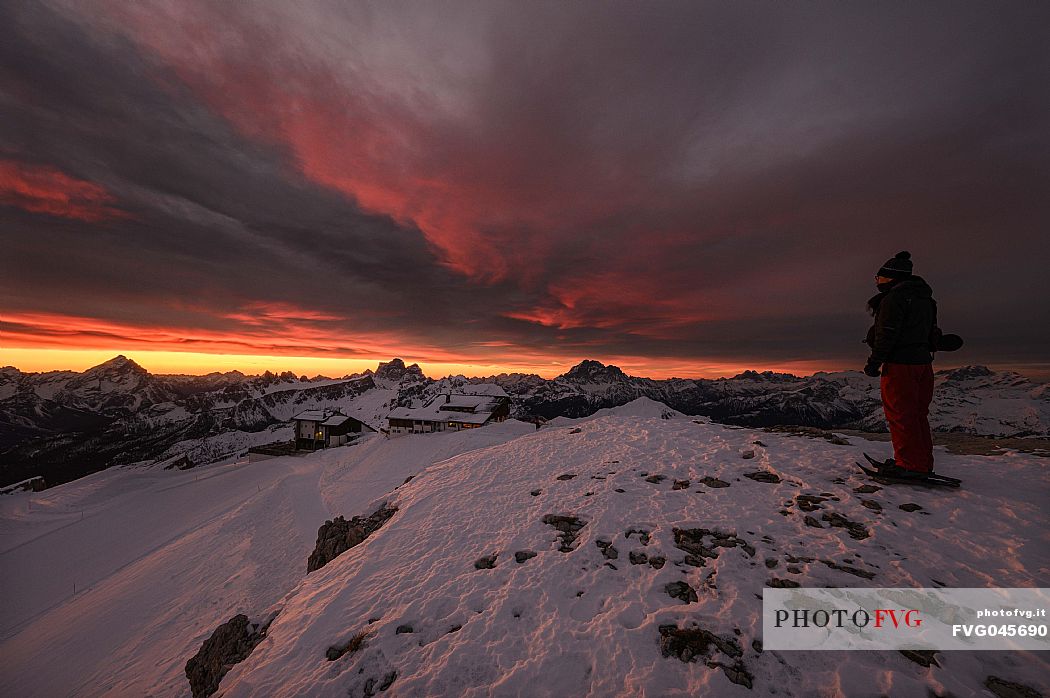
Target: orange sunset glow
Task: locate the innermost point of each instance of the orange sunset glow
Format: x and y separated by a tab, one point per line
66	343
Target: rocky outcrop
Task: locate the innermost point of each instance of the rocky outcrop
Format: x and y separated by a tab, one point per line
337	536
231	643
704	543
1010	689
569	526
395	371
700	645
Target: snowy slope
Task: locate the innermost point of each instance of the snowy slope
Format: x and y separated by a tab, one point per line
639	407
167	556
161	557
577	623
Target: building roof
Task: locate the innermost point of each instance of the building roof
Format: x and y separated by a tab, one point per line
433	410
328	418
472	401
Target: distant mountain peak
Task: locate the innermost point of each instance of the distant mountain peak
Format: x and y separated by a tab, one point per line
591	371
395	370
751	374
118	364
968	372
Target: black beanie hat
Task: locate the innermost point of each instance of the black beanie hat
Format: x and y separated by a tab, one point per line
897	268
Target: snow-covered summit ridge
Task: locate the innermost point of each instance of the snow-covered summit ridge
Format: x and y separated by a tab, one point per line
639	407
473	589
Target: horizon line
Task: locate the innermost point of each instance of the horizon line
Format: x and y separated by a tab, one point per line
223	364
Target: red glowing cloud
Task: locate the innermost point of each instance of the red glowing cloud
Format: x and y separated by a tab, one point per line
491	202
257	328
578	218
278	342
262	331
41	189
261	314
513	182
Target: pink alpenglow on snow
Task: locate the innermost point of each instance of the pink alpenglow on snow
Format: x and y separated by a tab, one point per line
561	561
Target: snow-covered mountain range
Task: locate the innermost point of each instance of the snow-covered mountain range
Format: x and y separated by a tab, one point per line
63	424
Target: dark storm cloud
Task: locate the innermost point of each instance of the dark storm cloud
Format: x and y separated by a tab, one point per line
671	180
218	220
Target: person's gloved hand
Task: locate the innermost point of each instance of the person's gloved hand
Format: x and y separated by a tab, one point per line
872	369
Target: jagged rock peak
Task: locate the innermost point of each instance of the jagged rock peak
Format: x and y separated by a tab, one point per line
764	375
268	378
118	364
590	371
396	370
968	372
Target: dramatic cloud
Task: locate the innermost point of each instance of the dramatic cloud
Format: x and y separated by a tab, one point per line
46	190
686	185
281	331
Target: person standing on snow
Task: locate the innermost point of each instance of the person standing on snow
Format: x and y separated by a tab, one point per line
905	324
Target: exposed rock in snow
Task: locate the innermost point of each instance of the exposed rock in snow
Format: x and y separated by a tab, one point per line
231	643
486	562
339	535
694	644
1009	689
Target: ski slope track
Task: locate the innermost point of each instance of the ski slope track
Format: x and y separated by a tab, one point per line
167	556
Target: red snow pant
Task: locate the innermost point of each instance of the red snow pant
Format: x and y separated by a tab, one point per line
907	390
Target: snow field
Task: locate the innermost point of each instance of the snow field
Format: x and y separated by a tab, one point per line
160	558
571	624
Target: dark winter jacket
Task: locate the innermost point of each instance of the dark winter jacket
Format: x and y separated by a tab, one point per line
905	318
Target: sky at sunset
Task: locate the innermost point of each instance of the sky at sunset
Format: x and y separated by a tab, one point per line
682	189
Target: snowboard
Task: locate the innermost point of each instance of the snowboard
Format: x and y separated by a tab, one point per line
929	480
